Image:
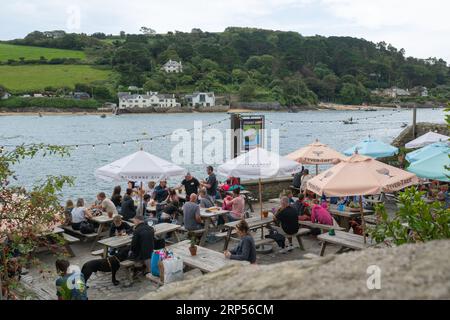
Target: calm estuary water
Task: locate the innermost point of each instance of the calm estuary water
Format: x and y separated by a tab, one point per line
91	129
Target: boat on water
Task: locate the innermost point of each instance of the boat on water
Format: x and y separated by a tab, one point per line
404	125
103	116
370	109
350	122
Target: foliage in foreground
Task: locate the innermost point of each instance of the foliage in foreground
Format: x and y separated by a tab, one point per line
27	216
415	221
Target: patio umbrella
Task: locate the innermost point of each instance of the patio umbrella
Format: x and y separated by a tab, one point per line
432	167
372	148
426	139
316	153
139	166
427	151
258	164
358	176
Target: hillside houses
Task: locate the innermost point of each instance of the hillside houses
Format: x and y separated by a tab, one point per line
201	99
395	92
172	66
148	100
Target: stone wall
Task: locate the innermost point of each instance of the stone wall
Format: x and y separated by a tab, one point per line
421	128
271	188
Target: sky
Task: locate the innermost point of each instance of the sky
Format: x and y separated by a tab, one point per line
421	27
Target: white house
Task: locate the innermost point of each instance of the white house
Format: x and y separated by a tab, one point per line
5	95
172	66
148	100
201	99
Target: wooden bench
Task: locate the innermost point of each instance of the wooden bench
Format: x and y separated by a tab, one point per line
97	252
130	266
301	232
68	240
87	236
323	227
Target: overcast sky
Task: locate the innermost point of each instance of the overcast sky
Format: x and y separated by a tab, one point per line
421	27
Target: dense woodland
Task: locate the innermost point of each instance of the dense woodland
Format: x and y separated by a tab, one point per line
255	64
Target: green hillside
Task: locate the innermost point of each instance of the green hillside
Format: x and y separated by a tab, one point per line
37	77
15	52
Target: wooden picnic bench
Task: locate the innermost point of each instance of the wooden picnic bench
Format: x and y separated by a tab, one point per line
68	240
83	236
207	216
345	240
346	215
206	260
253	223
323	227
301	232
122	241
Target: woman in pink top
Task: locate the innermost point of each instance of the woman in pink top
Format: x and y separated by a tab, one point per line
237	205
320	214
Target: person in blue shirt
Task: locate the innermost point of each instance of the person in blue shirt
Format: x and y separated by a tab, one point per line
161	191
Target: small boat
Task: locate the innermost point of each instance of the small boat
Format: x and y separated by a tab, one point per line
349	122
404	125
103	116
370	109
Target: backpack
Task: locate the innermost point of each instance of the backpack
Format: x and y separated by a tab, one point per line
86	228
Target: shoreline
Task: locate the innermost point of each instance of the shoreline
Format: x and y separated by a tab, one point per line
319	107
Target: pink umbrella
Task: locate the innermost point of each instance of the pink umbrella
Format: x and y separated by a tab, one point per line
316	153
358	176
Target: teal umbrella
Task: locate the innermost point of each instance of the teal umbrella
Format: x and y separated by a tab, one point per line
428	151
432	167
372	148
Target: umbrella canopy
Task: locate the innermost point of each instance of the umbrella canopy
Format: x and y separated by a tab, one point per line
316	153
372	148
426	139
139	166
259	163
428	151
360	175
432	167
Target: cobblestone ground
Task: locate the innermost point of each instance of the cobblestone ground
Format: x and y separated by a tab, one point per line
101	287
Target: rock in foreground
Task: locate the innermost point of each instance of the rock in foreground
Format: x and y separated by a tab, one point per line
419	271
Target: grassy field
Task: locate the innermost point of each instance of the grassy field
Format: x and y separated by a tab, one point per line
9	51
37	77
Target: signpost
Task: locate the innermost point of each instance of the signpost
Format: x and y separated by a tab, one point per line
247	133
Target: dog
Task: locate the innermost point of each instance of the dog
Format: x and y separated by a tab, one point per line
109	264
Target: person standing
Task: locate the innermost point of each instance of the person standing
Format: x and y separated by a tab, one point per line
210	183
305	178
190	185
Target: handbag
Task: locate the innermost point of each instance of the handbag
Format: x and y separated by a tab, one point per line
86	227
171	270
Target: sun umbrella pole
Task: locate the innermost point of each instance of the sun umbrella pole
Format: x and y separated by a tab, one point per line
362	218
317	169
260	197
141	208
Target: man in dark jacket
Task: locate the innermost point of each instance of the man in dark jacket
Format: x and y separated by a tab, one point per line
128	210
142	242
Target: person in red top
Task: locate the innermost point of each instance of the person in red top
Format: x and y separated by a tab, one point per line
320	214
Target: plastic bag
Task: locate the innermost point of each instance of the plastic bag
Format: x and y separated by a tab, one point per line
171	270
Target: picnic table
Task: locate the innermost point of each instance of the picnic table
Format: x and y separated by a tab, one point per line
206	260
208	214
103	223
323	227
346	215
253	223
247	194
345	240
122	241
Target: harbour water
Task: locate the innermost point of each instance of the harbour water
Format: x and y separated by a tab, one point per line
327	126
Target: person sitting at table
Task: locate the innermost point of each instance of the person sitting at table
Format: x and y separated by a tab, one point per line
245	250
191	214
443	196
145	203
142	242
68	213
320	214
287	218
205	201
107	205
302	207
190	185
119	227
161	192
237	204
116	196
80	214
128	210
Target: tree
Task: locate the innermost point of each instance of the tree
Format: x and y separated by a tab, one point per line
152	85
353	93
247	91
147	31
26	216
